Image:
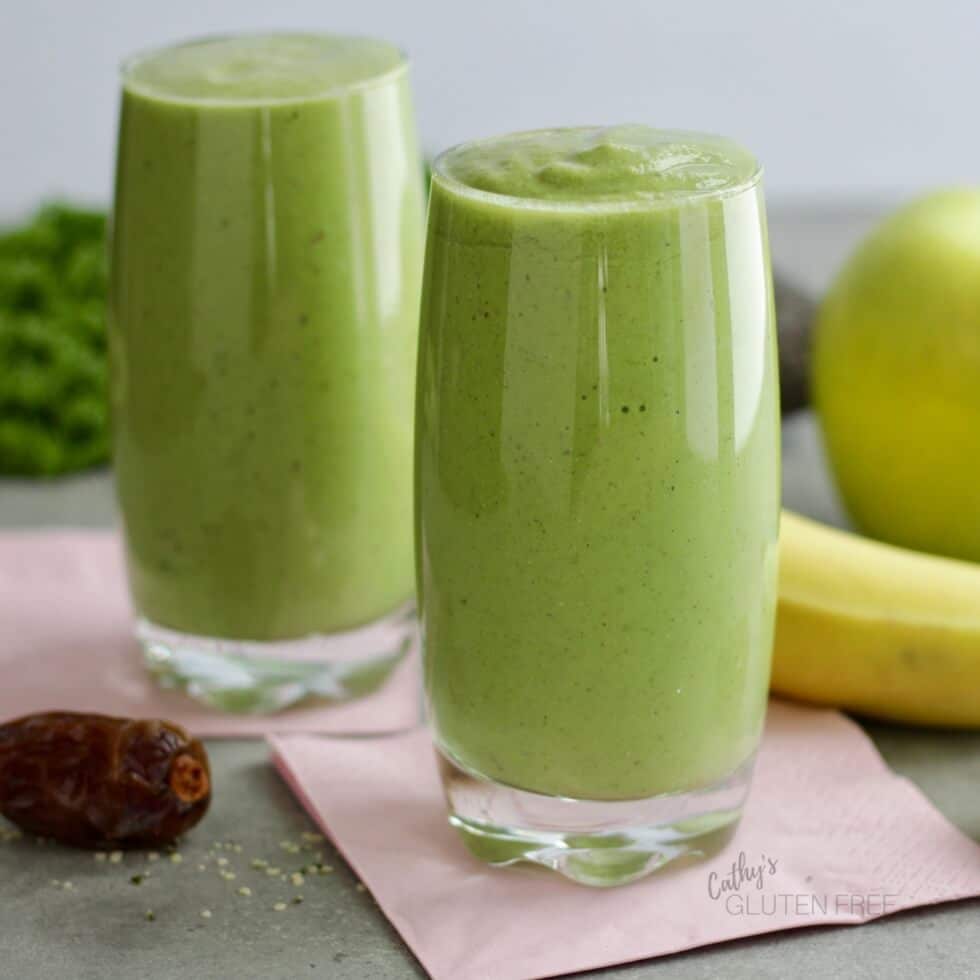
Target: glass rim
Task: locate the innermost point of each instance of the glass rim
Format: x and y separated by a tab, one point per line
126	65
650	202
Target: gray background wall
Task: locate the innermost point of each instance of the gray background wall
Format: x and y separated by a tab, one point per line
867	99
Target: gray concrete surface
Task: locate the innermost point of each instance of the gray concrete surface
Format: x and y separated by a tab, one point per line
97	929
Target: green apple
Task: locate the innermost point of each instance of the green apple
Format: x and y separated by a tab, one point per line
896	377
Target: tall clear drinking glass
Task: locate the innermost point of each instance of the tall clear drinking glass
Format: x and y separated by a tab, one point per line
597	493
266	265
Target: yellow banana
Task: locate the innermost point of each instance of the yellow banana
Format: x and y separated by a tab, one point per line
879	630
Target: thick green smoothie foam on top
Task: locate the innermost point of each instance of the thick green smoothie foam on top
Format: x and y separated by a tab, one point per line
621	163
597	461
261	67
263	334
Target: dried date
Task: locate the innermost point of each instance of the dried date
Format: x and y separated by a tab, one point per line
94	780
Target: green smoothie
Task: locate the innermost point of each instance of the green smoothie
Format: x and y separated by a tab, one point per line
597	461
266	265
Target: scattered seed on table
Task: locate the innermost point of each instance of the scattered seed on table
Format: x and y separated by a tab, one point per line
136	880
297	879
115	857
245	890
258	864
202	867
153	856
205	913
297	900
150	915
272	872
176	858
99	855
221	862
279	907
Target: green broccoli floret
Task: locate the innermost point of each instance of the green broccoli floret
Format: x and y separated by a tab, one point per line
27	285
28	448
53	401
35	240
86	271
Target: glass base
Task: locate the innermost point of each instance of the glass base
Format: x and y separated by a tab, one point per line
592	842
258	678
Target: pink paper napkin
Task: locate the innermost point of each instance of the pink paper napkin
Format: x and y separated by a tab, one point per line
66	642
848	841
